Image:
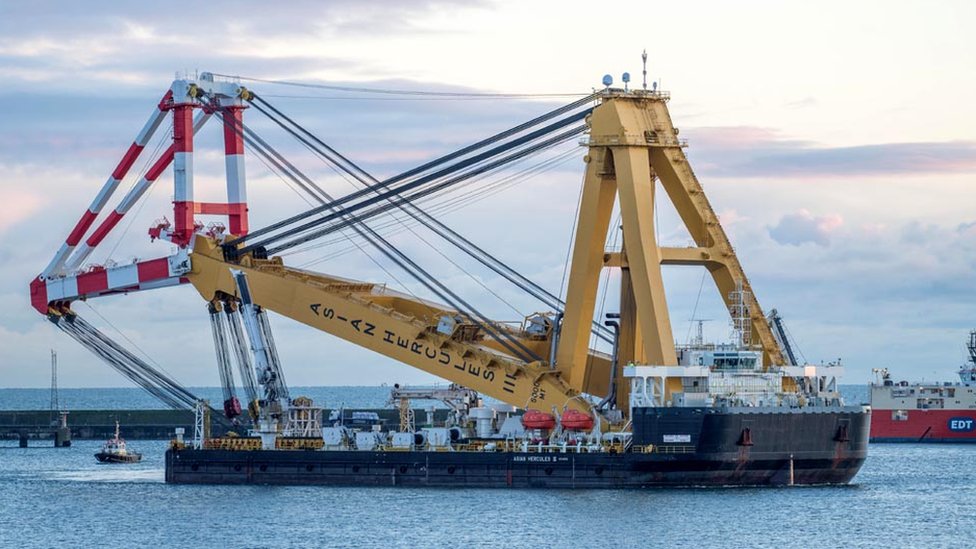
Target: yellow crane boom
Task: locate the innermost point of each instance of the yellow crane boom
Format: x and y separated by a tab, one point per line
388	322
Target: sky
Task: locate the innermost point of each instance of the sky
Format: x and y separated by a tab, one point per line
835	139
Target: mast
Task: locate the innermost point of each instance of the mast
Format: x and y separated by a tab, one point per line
55	400
972	347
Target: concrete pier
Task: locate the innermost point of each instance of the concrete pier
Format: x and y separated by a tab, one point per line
62	437
135	424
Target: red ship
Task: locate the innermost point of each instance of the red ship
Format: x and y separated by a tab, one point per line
926	412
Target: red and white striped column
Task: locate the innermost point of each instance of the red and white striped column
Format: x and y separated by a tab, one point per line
183	173
131	198
234	159
56	266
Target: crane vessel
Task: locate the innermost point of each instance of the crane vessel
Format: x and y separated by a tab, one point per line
646	413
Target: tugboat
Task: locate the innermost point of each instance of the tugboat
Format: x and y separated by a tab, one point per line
114	450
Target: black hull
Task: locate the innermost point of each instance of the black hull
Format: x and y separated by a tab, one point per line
783	449
111	458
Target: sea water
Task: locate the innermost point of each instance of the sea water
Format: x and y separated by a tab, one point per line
906	495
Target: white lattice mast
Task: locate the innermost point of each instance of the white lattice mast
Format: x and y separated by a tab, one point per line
741	315
201	423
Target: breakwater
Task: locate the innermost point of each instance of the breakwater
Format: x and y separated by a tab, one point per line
143	424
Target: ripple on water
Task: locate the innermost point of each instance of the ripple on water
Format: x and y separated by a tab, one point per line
905	496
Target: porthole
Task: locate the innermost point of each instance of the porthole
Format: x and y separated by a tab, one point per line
309	468
598	470
450	470
548	470
237	467
194	467
263	468
403	469
355	468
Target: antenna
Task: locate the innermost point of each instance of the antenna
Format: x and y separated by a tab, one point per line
644	58
972	347
699	339
626	79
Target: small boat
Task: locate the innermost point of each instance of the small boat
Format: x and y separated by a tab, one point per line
114	450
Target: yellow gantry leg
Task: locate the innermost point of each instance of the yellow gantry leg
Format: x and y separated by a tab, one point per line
635	185
596	207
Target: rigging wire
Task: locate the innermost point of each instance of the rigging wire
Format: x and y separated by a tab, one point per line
572	236
291	186
267	152
507	340
389	91
458	202
424	218
330	163
125	337
337	160
611	243
694	311
157	383
374	98
389	196
406	226
434	163
492	187
794	345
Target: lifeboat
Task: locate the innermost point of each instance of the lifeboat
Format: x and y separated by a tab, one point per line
577	421
535	419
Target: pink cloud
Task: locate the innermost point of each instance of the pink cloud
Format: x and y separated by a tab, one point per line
803	227
16	205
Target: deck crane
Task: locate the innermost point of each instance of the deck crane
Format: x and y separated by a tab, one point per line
459	400
546	363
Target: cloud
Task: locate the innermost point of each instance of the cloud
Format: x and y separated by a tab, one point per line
803	103
745	151
15	206
72	101
967	229
803	227
48	45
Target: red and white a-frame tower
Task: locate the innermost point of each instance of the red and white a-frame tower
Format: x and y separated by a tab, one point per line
67	277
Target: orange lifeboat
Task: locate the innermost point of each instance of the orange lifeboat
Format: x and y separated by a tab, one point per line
535	419
577	421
